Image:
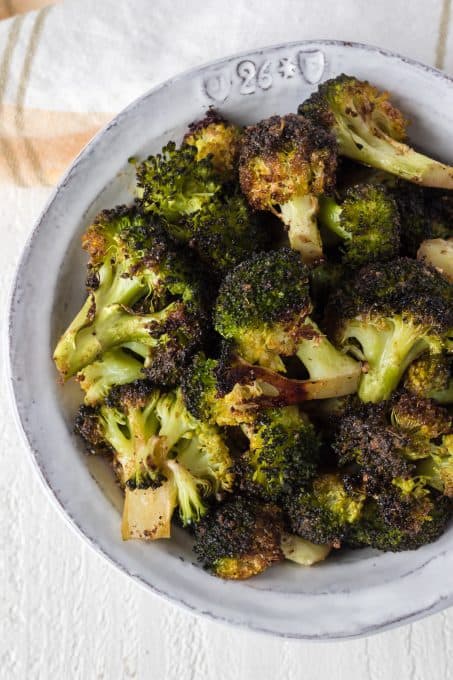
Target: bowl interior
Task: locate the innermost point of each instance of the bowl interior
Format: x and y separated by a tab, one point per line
354	591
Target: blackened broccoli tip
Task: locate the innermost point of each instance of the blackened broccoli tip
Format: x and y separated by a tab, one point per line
283	453
215	137
173	184
324	512
285	163
263	306
367	223
137	295
239	539
388	315
370	129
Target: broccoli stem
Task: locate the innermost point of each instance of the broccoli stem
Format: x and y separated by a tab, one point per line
299	215
330	217
114	368
147	513
326	363
113	326
389	347
190	504
383	152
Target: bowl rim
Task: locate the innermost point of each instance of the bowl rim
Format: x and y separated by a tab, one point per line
441	602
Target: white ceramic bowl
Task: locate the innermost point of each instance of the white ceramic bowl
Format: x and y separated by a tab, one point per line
351	594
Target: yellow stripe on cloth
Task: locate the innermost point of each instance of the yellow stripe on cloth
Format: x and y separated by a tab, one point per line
56	138
8	8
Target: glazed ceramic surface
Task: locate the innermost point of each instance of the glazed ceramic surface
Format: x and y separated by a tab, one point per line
352	593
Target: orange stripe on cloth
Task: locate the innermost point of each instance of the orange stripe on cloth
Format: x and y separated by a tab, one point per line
56	138
9	8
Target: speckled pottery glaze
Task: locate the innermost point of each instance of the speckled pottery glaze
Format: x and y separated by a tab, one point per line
351	594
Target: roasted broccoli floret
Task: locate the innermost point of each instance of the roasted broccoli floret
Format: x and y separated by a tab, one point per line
380	448
116	367
239	539
173	185
285	164
387	316
401	521
139	292
218	139
430	376
155	440
420	416
263	306
324	512
366	221
283	453
370	129
223	233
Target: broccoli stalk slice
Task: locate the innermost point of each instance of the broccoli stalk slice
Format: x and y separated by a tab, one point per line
388	346
147	512
330	216
324	362
113	326
299	216
363	143
113	368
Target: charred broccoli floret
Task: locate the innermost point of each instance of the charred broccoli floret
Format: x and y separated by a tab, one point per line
138	292
387	316
430	376
323	513
401	521
240	539
285	164
379	448
283	453
156	442
370	129
218	139
366	221
263	306
420	416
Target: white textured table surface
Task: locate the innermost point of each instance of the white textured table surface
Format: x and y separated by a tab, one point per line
64	612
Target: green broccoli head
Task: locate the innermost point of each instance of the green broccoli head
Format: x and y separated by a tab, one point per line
283	453
366	221
218	139
285	163
324	512
239	539
139	292
370	129
263	306
225	232
173	184
388	315
155	440
430	376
